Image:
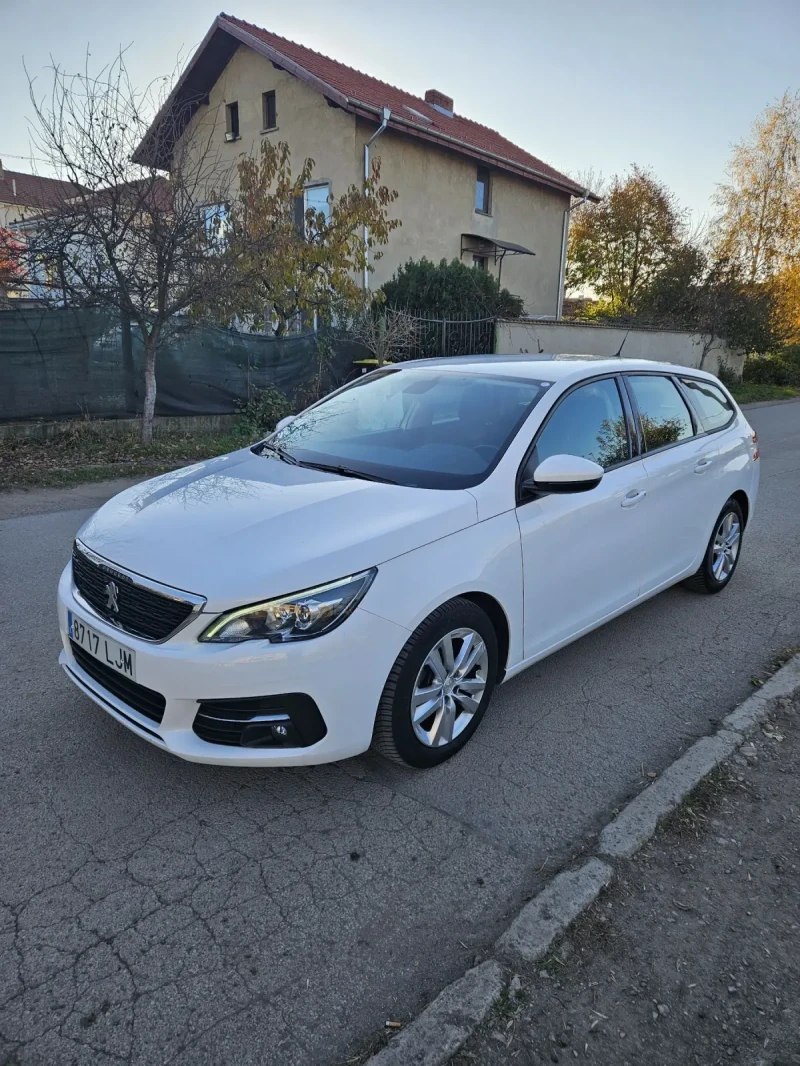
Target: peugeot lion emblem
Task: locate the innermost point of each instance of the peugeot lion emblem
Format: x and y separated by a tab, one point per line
112	591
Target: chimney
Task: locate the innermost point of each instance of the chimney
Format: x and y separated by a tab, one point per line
440	102
2	172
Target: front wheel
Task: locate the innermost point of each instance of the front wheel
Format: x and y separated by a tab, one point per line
722	554
439	687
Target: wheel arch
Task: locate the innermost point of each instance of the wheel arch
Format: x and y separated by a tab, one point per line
741	498
497	616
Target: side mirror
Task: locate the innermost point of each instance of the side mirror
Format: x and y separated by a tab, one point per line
564	473
285	422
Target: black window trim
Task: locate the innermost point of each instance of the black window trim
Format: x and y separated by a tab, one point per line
637	413
687	395
630	426
693	414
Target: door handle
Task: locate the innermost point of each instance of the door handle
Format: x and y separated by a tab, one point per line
701	465
633	497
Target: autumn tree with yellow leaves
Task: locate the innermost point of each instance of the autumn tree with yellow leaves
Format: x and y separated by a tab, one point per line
303	262
759	222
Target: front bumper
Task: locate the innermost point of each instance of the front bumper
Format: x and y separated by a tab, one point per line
343	672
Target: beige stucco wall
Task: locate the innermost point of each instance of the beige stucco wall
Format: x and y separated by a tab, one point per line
437	204
13	213
310	127
436	186
661	345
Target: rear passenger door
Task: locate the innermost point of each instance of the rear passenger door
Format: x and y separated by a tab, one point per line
680	470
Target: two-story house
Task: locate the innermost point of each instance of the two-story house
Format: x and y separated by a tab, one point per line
464	190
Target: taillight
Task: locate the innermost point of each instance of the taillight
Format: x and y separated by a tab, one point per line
755	445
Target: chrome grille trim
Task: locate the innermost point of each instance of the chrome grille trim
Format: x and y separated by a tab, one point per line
130	577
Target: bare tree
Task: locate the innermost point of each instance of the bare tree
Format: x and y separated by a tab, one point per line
387	333
149	245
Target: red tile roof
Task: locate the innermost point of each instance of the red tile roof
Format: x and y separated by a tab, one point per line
33	190
428	122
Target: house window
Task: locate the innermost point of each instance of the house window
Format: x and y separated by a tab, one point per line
482	183
316	198
215	221
268	111
232	121
480	262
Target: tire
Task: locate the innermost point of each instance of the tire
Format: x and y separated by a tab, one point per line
712	576
395	735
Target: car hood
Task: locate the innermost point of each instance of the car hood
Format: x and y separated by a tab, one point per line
247	527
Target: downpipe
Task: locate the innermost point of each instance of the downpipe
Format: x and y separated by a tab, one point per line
387	114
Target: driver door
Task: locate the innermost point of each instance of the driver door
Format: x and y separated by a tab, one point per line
583	553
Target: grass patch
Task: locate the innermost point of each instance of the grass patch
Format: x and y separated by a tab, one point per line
84	454
749	392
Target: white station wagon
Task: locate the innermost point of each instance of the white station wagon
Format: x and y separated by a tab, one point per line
368	573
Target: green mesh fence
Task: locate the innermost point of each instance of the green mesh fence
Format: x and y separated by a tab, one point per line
72	363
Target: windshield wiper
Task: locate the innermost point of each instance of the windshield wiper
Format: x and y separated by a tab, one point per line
345	471
280	452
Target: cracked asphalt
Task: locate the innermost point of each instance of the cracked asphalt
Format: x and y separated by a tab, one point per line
155	912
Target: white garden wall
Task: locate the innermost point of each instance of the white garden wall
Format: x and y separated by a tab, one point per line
582	338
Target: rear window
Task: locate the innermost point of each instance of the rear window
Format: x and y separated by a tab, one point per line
713	407
665	418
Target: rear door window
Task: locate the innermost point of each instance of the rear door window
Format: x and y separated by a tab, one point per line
713	407
663	413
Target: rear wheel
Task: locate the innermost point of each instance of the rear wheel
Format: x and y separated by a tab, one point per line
439	686
722	554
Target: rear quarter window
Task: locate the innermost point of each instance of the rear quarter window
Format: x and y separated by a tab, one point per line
713	407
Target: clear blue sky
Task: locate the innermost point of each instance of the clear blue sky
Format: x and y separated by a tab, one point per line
669	84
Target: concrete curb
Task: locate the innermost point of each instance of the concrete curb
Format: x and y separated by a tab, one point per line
448	1022
783	684
550	913
637	822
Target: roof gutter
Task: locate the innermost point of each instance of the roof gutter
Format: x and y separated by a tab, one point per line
386	115
512	164
350	101
339	98
562	267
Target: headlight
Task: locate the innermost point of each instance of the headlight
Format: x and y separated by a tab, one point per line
299	617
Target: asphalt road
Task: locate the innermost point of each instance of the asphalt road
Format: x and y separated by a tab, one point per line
154	912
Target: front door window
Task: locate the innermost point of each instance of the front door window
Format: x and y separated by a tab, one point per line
589	422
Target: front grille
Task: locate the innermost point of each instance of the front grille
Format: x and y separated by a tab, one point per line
250	722
142	612
144	700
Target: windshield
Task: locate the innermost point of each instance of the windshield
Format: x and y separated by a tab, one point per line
433	428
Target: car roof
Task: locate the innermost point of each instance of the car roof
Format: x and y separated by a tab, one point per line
544	365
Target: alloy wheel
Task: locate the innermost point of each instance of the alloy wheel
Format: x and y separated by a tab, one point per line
449	687
725	551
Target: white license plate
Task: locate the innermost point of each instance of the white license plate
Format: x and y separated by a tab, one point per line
108	651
